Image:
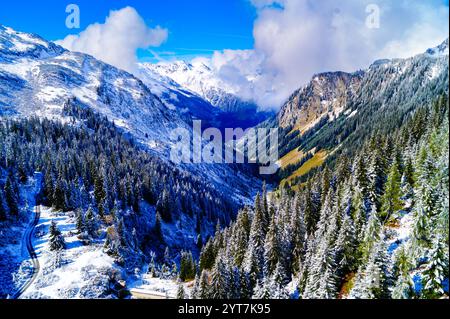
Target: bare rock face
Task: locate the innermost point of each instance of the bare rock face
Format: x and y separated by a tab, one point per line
326	94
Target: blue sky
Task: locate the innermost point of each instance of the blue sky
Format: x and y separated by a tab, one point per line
195	27
284	45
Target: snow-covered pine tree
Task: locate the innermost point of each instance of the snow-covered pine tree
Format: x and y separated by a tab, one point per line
220	278
181	293
240	239
2	206
11	196
81	228
277	284
297	230
345	248
373	278
59	194
195	288
436	270
391	200
91	224
254	259
204	291
371	234
56	240
271	249
404	286
245	289
262	289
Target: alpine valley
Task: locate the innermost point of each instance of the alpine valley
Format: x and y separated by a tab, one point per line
91	205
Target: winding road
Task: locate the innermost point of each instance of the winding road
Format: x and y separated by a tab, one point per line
27	241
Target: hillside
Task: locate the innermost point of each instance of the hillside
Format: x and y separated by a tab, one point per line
338	112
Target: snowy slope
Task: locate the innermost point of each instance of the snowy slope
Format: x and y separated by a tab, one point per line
198	78
37	78
76	272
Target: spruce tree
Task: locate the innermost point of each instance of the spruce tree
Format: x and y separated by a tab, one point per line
59	194
254	259
11	196
204	289
2	207
220	279
434	273
404	285
81	228
91	224
181	293
271	249
391	199
158	227
56	240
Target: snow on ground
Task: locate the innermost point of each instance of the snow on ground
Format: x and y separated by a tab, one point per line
166	288
401	233
76	272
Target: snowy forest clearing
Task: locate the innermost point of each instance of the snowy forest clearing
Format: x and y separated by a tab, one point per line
76	272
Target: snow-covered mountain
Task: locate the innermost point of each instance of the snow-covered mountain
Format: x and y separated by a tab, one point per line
327	94
38	78
386	82
200	79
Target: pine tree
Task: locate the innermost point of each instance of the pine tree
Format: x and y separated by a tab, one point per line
407	180
345	248
158	227
376	175
59	194
2	207
164	206
204	289
195	288
187	267
271	249
404	285
391	199
311	211
11	196
371	233
80	222
56	241
207	256
91	225
277	285
181	293
245	290
235	284
254	259
220	279
373	279
262	289
298	234
434	273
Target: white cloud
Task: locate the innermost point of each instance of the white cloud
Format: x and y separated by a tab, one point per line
117	40
295	39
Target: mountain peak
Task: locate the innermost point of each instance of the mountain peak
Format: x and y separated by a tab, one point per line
20	44
440	50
